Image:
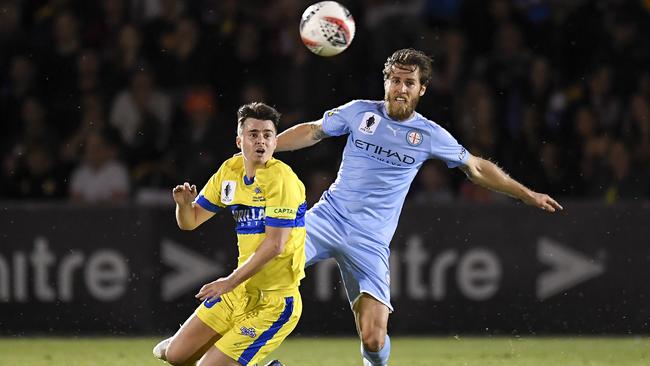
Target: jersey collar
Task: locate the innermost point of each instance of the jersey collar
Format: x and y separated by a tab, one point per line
248	181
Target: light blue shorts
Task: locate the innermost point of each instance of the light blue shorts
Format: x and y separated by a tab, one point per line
362	260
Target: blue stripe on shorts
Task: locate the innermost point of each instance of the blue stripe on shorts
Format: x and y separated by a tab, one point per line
252	350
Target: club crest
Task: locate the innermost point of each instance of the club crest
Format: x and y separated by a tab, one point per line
414	137
250	332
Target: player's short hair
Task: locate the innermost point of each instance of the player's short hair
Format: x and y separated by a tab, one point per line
257	110
410	57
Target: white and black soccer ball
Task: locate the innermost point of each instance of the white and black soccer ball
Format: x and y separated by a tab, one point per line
327	28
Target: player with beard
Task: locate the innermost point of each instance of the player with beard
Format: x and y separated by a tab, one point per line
355	219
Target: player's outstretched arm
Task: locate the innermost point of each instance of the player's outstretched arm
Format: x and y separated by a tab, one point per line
300	136
189	215
271	247
488	175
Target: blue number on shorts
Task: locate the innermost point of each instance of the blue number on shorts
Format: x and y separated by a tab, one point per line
208	303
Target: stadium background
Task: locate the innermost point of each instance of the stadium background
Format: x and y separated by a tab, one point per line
145	91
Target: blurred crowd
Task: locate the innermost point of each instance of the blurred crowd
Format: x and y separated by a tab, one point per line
116	101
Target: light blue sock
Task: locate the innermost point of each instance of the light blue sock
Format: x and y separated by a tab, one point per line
379	358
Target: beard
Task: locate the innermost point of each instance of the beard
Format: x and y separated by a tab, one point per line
400	111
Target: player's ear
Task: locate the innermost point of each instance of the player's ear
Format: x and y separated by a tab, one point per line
423	89
238	142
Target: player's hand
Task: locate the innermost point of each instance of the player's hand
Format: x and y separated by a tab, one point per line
543	201
215	289
184	194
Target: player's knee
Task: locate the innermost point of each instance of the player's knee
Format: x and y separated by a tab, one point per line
373	339
175	356
174	360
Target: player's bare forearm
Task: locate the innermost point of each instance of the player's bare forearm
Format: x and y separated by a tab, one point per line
489	175
301	136
185	216
272	246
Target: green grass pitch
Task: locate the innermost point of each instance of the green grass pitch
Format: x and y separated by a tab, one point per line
438	351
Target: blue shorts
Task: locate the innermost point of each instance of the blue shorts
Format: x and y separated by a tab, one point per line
362	260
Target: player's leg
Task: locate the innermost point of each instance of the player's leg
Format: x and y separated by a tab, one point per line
191	341
211	320
371	318
366	277
214	357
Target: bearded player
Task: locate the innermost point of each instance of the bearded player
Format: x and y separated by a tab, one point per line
355	219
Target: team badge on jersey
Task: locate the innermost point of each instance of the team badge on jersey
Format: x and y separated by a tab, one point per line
228	191
369	123
414	137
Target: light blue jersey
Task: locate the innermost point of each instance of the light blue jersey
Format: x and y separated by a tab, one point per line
356	217
380	160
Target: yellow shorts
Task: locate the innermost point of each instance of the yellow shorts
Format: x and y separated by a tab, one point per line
252	324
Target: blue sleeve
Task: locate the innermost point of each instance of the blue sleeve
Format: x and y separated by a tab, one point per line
336	122
445	147
206	204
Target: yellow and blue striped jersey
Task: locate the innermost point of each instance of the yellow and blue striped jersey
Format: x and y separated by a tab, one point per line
274	197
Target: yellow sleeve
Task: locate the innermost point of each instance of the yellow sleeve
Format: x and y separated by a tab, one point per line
210	196
285	197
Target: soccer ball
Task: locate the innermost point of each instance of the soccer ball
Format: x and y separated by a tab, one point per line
327	28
